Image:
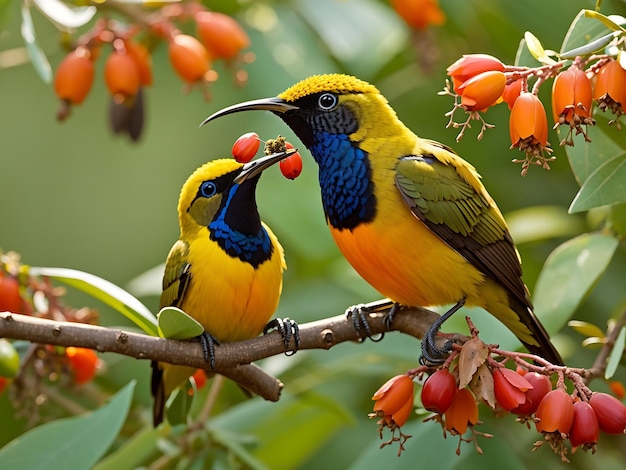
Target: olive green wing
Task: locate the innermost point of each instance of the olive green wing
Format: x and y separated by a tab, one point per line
462	216
177	276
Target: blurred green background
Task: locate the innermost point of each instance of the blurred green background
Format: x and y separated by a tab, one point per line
74	195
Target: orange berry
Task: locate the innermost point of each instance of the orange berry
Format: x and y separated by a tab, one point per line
511	92
555	412
221	34
528	119
142	59
611	82
419	14
394	400
121	74
246	147
470	65
610	411
482	90
585	430
571	95
74	76
189	58
439	391
462	412
617	388
84	363
10	299
509	388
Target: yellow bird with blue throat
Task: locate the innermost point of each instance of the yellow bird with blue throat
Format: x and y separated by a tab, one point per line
226	270
410	215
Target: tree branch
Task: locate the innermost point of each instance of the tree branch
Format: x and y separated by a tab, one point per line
233	360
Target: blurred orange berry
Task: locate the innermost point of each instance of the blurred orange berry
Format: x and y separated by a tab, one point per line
555	412
142	59
617	388
462	412
571	95
221	34
84	363
74	76
189	58
509	388
528	121
482	90
472	64
10	299
394	400
419	14
121	75
511	92
3	383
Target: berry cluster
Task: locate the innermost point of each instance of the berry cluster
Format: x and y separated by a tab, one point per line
472	375
246	146
23	293
480	81
128	67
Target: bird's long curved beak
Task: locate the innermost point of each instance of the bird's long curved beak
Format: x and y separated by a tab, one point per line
276	105
255	167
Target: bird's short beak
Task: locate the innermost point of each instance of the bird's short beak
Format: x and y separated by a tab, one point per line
276	105
255	167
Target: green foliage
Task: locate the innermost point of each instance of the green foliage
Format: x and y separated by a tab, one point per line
176	324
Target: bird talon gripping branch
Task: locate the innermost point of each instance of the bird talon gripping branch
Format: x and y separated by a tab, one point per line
288	329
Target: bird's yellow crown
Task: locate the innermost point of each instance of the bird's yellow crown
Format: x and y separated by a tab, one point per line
335	82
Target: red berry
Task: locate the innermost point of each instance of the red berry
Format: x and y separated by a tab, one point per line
585	429
291	167
246	147
439	391
610	411
10	299
541	386
555	412
3	383
84	363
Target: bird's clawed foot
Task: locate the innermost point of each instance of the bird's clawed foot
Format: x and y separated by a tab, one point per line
287	328
432	354
358	315
208	343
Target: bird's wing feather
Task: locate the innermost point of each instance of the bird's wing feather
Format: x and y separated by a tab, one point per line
462	216
176	276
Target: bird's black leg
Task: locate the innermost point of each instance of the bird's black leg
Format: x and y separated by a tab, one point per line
287	328
208	343
358	315
431	353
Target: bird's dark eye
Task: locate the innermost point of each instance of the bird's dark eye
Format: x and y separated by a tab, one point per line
327	101
208	189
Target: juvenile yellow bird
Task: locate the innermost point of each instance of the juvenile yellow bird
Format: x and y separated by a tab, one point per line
226	269
410	215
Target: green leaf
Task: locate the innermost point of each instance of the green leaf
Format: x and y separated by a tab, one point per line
569	274
134	451
64	16
538	223
617	220
589	48
605	20
176	324
5	13
616	354
606	143
105	291
536	48
70	443
584	30
586	328
37	57
603	187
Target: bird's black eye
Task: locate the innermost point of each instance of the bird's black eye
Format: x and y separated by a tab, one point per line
208	189
327	101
